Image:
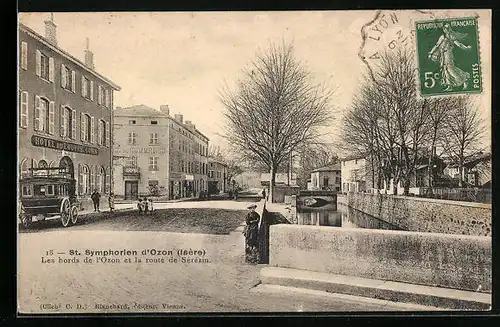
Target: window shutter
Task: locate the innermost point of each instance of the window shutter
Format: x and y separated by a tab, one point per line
82	126
80	179
83	86
51	69
38	63
92	178
99	93
24	109
108	98
99	133
63	75
108	133
73	81
37	113
107	182
92	130
24	55
52	110
92	90
63	121
73	125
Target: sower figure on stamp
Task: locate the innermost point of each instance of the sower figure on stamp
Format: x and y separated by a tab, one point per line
251	233
96	197
442	53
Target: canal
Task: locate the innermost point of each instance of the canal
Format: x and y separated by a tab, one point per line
344	216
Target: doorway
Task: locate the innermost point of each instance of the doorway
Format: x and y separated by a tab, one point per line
131	190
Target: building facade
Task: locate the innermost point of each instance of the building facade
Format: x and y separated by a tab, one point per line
141	152
217	177
64	115
326	178
354	174
158	155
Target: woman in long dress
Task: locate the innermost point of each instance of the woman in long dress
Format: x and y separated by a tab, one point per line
251	233
442	53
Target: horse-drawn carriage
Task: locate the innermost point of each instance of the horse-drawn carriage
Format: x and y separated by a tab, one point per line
47	193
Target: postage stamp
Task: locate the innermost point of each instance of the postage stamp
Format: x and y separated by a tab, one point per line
448	56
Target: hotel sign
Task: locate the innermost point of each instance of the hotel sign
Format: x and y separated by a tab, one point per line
63	146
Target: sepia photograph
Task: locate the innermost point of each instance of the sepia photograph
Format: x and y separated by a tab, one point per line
328	161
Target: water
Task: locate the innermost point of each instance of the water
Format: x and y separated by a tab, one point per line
343	217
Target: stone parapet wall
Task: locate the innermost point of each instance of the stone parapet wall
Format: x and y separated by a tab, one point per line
424	215
441	260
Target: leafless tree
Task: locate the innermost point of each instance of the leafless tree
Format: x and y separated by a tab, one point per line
312	156
465	129
274	109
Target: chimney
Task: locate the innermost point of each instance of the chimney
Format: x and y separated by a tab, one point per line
178	117
118	108
50	30
165	109
89	55
188	123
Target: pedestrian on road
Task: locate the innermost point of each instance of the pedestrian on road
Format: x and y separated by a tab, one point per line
150	205
264	193
146	205
96	198
140	206
111	202
251	233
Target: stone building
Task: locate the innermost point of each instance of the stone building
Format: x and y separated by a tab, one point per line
158	155
64	112
217	176
326	178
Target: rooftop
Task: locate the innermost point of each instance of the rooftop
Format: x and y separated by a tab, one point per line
335	167
67	55
139	111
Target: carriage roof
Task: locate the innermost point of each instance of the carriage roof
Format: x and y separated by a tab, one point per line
53	175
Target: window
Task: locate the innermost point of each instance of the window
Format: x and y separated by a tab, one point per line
325	181
39	190
87	128
101	139
153	163
100	180
44	66
42	164
24	55
27	190
132	138
132	161
68	77
131	122
68	122
154	122
153	138
23	109
87	88
44	115
49	190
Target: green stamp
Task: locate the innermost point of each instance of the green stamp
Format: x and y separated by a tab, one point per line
448	56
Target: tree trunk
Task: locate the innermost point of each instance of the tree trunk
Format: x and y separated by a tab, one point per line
272	183
406	186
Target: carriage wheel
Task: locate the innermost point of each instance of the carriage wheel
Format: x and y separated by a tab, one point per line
26	220
74	215
65	212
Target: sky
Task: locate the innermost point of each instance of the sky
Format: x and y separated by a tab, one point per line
182	59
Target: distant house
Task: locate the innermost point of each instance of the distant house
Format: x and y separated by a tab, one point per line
281	179
326	178
476	171
353	171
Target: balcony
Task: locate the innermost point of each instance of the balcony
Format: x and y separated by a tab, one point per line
131	171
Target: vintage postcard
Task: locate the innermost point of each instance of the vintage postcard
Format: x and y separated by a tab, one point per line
285	161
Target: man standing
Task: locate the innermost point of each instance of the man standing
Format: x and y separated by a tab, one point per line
96	197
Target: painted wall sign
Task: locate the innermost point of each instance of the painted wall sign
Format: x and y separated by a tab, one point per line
150	150
61	145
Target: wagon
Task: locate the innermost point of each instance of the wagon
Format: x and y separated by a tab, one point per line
48	193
